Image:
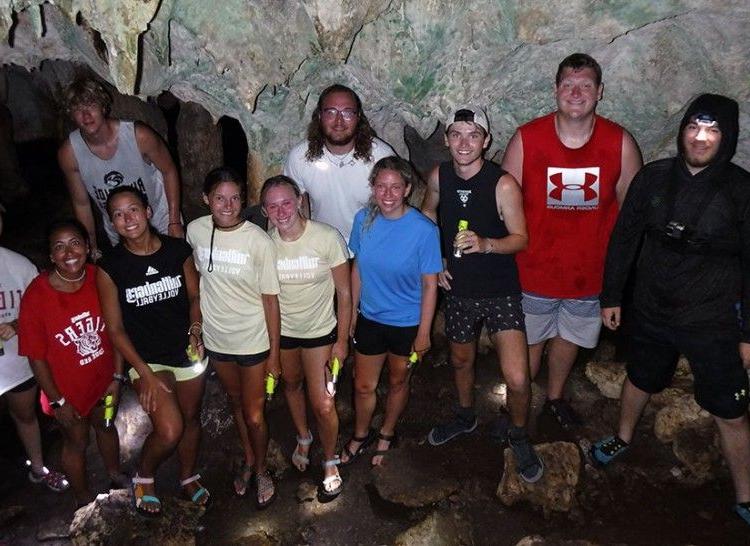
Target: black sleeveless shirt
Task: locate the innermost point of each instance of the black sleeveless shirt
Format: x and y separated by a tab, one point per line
475	275
153	299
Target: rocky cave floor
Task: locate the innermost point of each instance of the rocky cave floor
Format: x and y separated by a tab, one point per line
648	498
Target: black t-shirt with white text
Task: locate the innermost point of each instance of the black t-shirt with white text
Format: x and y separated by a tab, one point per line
153	299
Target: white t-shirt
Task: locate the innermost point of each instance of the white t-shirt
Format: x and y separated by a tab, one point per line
16	273
338	186
244	268
307	287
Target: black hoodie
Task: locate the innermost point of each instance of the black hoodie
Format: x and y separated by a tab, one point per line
691	284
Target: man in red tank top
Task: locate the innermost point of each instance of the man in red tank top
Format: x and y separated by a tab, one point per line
574	168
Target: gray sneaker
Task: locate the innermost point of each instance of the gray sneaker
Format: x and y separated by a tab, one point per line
529	465
447	431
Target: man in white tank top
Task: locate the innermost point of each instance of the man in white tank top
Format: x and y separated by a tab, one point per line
104	153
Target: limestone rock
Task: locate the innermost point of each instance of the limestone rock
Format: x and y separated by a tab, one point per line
683	411
698	449
276	459
9	513
485	344
200	150
133	425
407	478
538	540
259	538
605	351
112	520
307	491
437	529
54	529
607	376
344	409
556	490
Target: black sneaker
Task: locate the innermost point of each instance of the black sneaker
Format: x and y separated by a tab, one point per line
742	509
528	464
563	412
447	431
606	449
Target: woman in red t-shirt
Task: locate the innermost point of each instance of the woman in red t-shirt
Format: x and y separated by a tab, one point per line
62	331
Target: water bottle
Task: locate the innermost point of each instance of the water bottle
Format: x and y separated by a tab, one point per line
109	410
463	225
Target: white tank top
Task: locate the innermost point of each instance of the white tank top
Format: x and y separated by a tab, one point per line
125	168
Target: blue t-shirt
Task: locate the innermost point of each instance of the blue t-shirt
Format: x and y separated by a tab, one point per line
392	256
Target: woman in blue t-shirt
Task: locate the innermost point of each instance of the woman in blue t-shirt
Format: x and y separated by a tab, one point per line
394	291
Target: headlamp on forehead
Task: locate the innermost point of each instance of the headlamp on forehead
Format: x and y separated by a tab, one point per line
705	120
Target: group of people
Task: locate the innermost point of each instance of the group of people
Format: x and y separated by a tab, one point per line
539	250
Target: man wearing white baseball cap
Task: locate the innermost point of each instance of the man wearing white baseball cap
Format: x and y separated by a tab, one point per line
482	224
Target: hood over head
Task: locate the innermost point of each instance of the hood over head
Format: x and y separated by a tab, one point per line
726	112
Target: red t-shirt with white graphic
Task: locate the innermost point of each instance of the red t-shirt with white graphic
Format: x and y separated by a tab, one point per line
67	331
570	206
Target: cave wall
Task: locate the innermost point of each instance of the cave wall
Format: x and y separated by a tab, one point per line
264	62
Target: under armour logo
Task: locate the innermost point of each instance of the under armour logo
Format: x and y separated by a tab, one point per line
573	188
739	395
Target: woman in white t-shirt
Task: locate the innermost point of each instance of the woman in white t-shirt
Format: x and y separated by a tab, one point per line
312	265
241	324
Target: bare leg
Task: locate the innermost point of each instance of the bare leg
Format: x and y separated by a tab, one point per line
253	403
291	371
462	358
108	443
313	361
367	370
189	398
510	346
167	428
75	440
632	402
735	443
229	375
22	407
398	396
561	355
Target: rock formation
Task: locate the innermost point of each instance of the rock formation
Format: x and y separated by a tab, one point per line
263	62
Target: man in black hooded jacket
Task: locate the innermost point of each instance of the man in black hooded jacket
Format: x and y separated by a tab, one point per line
686	224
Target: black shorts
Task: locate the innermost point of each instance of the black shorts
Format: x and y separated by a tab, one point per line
246	361
26	385
464	316
374	338
289	343
720	380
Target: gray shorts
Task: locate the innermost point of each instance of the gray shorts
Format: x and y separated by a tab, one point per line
464	316
575	320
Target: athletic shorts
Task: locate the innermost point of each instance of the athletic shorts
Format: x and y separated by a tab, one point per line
576	320
181	373
720	380
464	316
246	361
374	338
289	343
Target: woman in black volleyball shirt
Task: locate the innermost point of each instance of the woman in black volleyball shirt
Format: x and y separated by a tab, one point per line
148	287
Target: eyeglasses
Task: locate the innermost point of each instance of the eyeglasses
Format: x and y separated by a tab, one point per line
347	113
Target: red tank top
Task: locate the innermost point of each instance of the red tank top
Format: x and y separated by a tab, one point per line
570	206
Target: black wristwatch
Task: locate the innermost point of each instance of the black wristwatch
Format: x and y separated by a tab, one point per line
57	404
